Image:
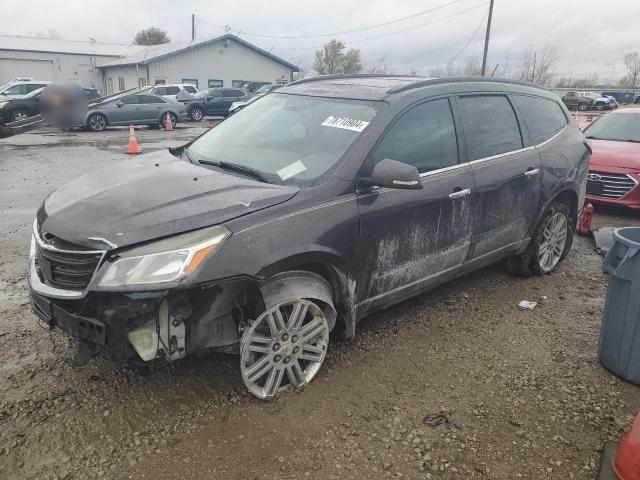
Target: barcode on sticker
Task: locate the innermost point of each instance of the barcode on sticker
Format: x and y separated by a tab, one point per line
345	123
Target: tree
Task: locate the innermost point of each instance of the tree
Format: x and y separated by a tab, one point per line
332	59
537	65
436	72
382	66
632	62
151	36
472	67
51	34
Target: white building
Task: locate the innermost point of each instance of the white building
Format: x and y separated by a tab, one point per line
226	61
45	59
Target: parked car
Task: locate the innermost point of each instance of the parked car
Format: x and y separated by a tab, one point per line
29	105
262	91
303	213
171	92
214	102
136	109
252	87
20	89
614	169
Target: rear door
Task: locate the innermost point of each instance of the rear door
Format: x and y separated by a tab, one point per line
507	173
151	107
410	238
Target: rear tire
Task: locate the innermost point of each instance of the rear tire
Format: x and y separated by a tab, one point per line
163	118
549	246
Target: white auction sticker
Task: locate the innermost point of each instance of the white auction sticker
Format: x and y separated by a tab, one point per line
346	123
291	170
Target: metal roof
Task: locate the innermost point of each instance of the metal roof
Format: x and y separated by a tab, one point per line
156	52
31	44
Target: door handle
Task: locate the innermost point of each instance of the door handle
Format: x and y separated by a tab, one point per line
460	193
531	172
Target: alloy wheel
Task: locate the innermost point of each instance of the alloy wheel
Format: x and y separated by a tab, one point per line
19	115
196	114
554	239
97	122
284	347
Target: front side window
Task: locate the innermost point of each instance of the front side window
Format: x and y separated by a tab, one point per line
424	136
543	117
293	139
17	90
490	126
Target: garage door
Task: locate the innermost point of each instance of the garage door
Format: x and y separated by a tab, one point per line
36	69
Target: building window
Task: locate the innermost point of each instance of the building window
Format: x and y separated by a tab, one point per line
121	84
142	82
238	83
215	83
160	81
190	81
109	86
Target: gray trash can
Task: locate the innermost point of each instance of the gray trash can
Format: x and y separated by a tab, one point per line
619	348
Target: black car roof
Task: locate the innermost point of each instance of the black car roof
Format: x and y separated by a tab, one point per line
381	86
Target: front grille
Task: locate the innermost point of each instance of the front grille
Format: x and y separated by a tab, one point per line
610	185
68	269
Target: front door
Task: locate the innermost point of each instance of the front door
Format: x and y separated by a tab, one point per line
507	174
213	102
411	238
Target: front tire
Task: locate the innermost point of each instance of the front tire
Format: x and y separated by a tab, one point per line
549	246
583	107
196	114
97	122
19	114
285	346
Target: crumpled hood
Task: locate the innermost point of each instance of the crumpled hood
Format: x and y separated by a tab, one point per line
609	153
153	196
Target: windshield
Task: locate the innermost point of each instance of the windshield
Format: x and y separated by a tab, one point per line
623	127
293	138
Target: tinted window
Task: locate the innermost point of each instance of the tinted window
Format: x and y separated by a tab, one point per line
150	99
227	92
131	99
34	86
490	126
544	118
159	91
172	90
425	137
214	94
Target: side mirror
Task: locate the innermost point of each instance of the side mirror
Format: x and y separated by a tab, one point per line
393	174
119	104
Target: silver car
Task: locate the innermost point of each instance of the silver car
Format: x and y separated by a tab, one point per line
136	109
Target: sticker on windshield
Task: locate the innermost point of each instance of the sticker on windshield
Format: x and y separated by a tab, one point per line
346	123
291	170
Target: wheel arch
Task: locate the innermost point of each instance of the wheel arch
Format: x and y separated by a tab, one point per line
335	274
567	195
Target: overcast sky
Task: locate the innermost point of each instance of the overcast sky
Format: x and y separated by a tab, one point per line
590	36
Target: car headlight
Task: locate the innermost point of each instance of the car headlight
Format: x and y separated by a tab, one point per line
161	263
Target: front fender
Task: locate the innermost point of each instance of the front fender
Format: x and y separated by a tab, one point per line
299	284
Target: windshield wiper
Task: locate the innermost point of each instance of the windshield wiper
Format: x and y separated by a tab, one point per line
248	171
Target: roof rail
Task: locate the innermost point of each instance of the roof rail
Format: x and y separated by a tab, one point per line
350	75
440	81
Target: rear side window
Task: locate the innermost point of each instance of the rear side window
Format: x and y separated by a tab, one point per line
172	90
490	126
130	100
543	117
424	136
150	99
159	91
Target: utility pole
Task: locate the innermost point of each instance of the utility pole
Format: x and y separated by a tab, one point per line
486	40
193	26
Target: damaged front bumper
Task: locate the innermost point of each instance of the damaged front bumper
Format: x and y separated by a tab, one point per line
144	327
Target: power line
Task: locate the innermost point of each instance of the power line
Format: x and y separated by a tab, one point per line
453	59
294	37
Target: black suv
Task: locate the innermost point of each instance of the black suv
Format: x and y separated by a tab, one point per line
311	208
214	102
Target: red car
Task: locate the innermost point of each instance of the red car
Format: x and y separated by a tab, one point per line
614	169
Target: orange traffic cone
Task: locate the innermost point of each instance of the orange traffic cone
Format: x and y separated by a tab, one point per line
168	124
134	148
627	461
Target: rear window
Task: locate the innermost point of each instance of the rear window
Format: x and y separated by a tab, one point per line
543	117
490	126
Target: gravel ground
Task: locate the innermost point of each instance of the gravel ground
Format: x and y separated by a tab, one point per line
456	383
